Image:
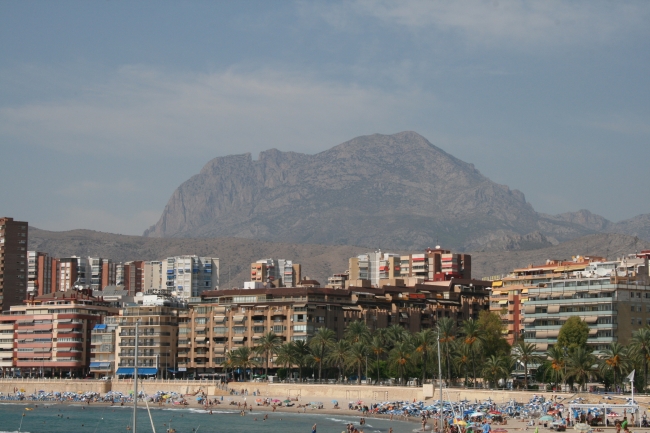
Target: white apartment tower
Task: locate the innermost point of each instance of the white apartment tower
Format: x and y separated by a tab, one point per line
189	276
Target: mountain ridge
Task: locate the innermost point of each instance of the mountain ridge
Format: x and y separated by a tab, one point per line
395	191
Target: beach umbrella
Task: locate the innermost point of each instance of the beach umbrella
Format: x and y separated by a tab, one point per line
335	402
546	418
275	400
460	422
581	427
476	414
287	401
258	400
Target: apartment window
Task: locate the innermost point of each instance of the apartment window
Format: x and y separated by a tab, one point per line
278	328
633	309
238	329
220	330
201	320
633	320
640	322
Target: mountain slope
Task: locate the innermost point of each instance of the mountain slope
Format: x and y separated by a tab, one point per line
388	191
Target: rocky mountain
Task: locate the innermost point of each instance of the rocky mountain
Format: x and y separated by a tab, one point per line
389	191
318	261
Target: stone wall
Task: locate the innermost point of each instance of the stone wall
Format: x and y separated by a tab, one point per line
30	386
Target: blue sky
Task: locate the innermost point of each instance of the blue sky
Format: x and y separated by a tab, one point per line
107	106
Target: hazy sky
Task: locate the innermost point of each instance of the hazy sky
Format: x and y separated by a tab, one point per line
107	106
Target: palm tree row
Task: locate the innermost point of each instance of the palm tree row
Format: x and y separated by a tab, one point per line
474	350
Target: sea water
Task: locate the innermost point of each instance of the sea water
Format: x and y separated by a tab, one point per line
63	418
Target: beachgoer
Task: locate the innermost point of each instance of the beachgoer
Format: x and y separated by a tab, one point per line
313	429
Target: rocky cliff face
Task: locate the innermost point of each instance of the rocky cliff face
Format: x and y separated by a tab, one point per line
388	191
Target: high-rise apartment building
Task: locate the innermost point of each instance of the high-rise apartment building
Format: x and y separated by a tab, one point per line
134	276
41	274
153	277
73	271
189	276
276	273
13	262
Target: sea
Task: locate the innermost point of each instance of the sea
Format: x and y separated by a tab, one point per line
71	418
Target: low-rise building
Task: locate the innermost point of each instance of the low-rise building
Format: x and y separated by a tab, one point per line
51	334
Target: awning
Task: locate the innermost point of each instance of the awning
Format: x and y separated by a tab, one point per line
541	346
591	319
495	293
142	371
100	326
299	305
524	291
237	338
529	320
504	302
238	318
200	339
593	331
553	333
64	320
497	283
404	315
553	309
219	319
100	365
529	309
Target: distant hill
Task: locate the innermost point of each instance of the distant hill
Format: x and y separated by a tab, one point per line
389	191
318	261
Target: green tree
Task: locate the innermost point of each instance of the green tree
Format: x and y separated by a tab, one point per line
472	336
614	359
640	347
395	333
557	364
377	347
447	334
492	331
525	353
357	331
496	367
424	342
357	355
322	340
266	346
284	356
400	357
463	355
243	357
338	355
573	334
300	355
581	365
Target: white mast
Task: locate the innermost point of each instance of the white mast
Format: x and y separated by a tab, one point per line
135	381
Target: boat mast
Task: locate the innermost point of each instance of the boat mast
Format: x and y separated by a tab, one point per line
135	381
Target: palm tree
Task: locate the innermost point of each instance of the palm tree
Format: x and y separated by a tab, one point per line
395	333
614	359
447	333
423	342
400	357
338	355
285	356
357	332
377	347
243	357
525	353
472	338
300	355
641	346
580	365
323	338
463	357
357	354
497	367
558	364
266	346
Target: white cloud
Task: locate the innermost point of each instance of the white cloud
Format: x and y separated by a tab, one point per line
506	22
141	110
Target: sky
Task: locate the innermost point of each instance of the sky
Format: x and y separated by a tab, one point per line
107	106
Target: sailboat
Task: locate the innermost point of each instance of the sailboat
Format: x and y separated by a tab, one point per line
135	388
